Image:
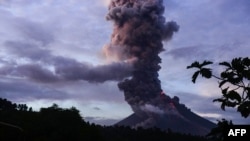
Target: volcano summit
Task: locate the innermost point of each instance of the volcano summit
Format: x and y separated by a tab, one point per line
171	115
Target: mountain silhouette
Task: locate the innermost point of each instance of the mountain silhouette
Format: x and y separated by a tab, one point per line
176	117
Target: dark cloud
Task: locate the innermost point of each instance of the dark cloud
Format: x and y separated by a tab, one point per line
64	69
75	71
102	73
97	108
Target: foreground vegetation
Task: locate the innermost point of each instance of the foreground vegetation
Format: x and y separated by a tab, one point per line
20	123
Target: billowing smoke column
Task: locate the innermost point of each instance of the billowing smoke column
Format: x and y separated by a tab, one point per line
139	29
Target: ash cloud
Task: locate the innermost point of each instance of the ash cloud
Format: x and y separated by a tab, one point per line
42	66
138	32
152	109
61	71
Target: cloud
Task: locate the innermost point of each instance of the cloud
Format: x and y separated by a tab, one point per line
63	68
97	108
69	72
35	31
27	50
106	2
152	109
101	121
21	90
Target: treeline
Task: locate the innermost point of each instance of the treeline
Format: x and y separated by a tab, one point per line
18	122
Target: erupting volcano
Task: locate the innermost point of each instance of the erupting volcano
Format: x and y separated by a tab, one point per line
139	31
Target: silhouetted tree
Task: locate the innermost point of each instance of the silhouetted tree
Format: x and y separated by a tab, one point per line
22	107
66	124
234	82
7	105
237	75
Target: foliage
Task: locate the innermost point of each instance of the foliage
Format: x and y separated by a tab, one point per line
60	124
216	134
234	83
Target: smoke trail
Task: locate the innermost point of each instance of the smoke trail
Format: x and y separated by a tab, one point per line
139	29
48	68
75	72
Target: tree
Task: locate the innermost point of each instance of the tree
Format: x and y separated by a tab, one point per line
6	105
234	82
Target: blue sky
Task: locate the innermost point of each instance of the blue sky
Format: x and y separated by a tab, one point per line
37	35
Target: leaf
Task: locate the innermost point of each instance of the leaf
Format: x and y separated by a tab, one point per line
246	74
206	63
194	65
246	61
222	83
223	104
231	104
233	95
224	75
195	75
225	64
218	100
236	79
248	91
224	91
237	64
244	109
205	72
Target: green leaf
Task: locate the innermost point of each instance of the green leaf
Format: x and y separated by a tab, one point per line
194	77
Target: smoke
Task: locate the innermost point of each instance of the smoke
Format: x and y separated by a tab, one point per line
138	32
69	72
152	109
42	66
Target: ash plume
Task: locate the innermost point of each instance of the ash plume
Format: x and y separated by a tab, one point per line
69	72
48	68
138	32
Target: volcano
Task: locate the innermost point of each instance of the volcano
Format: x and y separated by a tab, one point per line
175	117
139	33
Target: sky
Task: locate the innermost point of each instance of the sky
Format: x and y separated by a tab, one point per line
40	38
